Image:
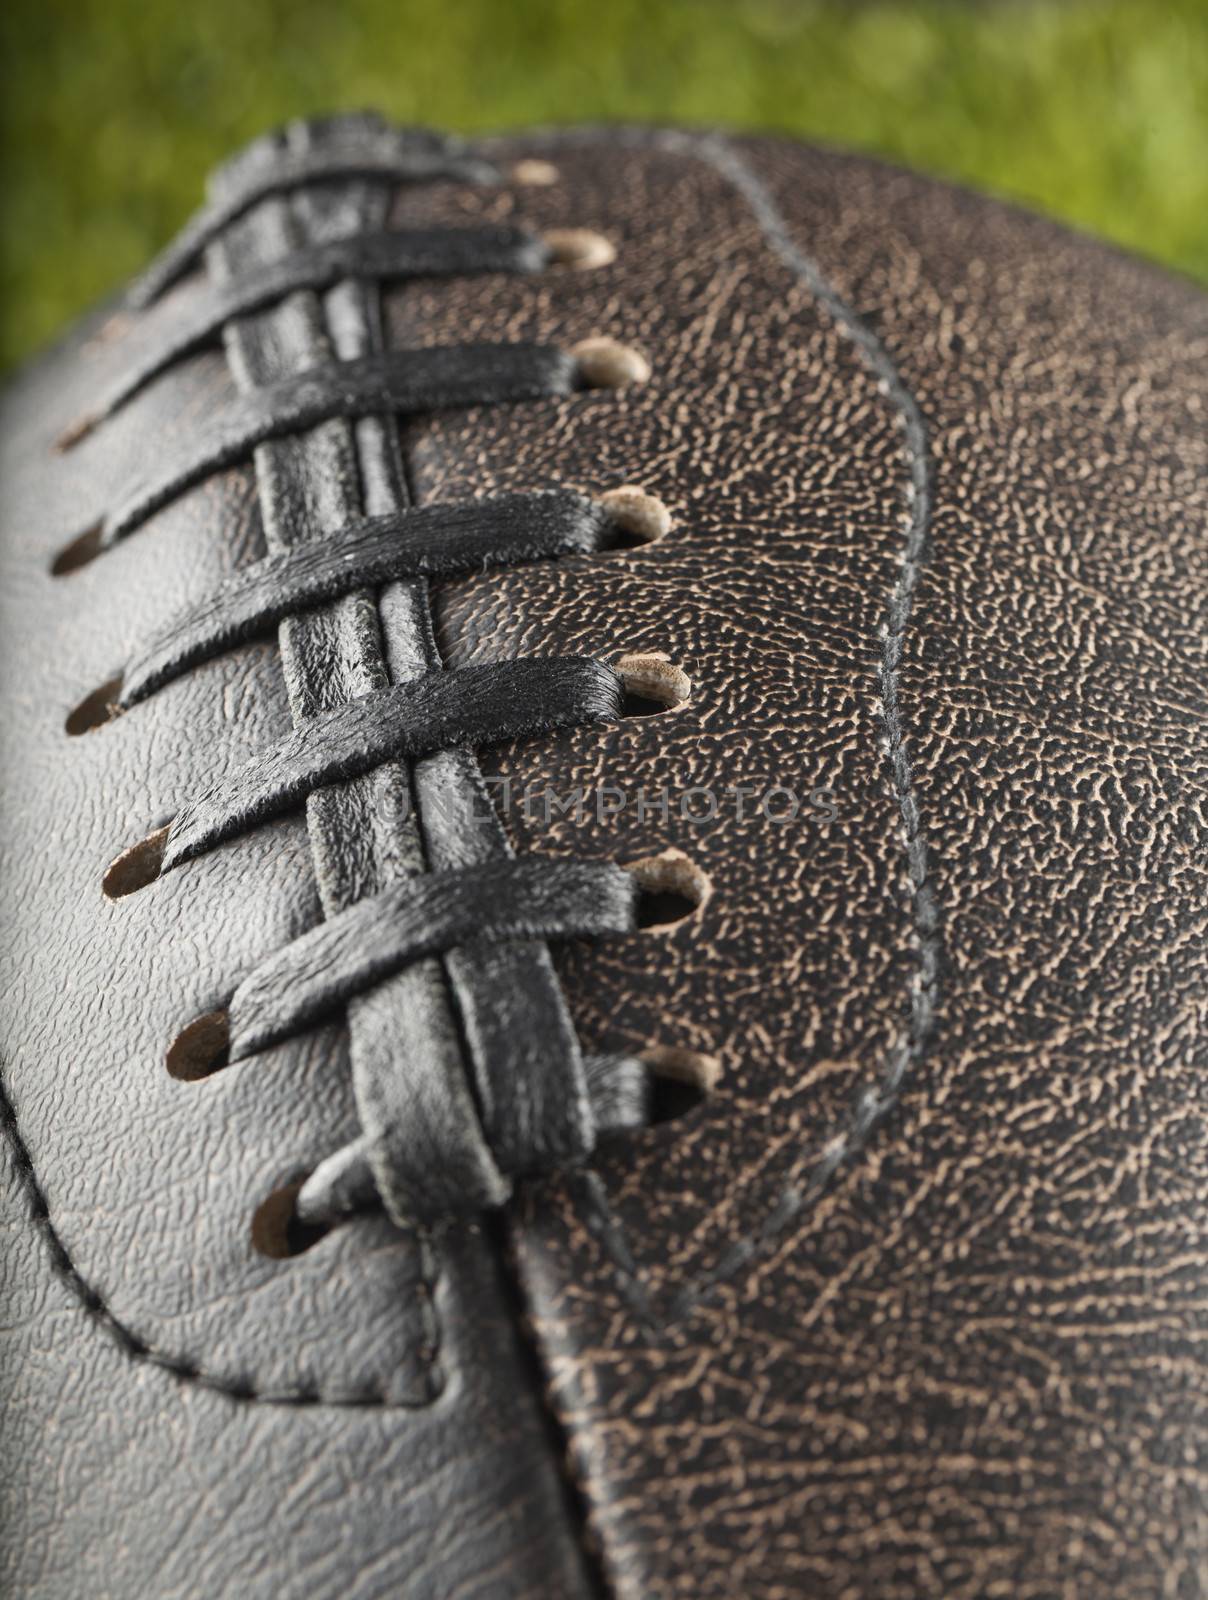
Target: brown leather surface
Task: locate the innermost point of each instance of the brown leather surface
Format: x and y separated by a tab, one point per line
969	1365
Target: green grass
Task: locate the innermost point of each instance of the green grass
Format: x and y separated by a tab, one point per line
112	110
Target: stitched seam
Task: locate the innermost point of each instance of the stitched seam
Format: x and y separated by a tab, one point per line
874	1101
139	1349
183	1367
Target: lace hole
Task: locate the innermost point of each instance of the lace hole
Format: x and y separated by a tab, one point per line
652	685
639	518
95	709
137	867
200	1048
580	248
607	364
278	1232
535	174
113	328
83	549
671	887
680	1082
74	432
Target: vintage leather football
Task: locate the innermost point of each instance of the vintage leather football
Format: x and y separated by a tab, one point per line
603	904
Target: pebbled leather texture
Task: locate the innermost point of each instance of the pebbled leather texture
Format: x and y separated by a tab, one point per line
911	1305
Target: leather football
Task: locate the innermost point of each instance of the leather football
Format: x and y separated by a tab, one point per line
604	891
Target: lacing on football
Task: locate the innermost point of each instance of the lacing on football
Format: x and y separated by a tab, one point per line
529	1100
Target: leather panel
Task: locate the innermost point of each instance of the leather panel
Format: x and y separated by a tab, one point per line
969	1363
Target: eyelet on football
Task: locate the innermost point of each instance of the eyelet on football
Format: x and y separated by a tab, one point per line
680	1081
535	174
670	888
607	364
201	1048
136	867
278	1231
95	709
652	684
580	248
74	432
640	518
115	327
82	549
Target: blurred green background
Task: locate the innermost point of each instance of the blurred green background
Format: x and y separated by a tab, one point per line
1094	110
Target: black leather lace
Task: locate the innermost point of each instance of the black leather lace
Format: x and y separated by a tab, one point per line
423	156
402	384
154	345
532	1120
469	708
437	541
